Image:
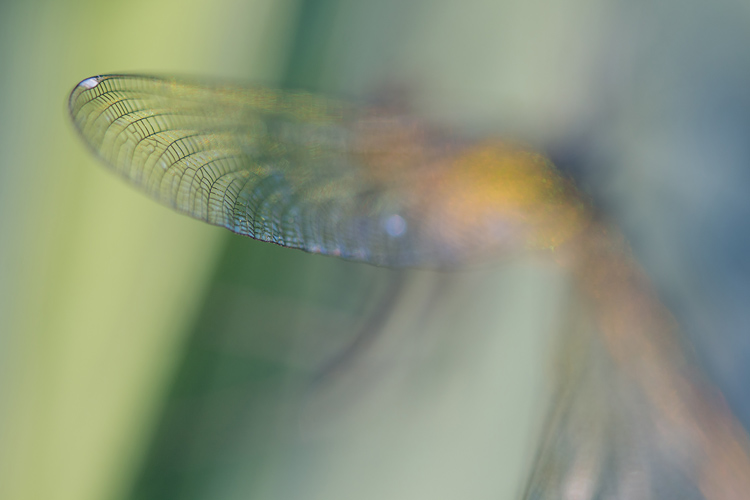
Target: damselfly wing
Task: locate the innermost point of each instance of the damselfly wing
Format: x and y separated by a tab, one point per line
321	175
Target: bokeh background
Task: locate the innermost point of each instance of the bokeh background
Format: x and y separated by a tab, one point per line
146	355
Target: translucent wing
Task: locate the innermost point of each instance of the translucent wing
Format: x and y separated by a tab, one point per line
311	173
603	440
264	163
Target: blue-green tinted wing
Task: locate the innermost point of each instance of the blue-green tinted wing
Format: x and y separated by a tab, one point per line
273	165
604	440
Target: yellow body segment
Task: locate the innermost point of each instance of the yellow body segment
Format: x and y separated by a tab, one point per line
496	196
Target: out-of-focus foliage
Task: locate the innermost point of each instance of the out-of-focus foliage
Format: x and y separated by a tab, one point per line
97	285
128	371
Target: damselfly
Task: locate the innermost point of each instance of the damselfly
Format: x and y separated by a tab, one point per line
632	417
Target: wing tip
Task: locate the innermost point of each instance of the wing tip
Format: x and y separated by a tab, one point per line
83	86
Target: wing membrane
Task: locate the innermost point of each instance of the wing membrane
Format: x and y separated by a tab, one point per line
603	439
273	165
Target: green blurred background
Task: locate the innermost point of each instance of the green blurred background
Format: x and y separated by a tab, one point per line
145	355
